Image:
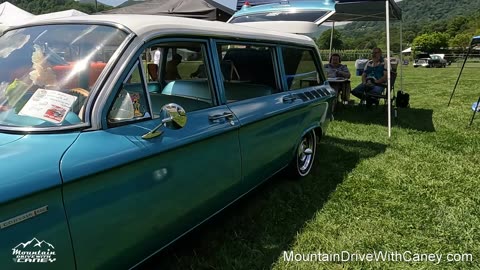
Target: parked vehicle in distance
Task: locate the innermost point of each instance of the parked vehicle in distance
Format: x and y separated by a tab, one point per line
430	60
310	11
106	157
299	17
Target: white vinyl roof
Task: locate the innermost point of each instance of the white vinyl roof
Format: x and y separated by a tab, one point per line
169	25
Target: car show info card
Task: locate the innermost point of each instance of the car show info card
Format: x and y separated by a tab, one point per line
48	105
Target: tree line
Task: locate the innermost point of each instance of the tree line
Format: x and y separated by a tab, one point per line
428	25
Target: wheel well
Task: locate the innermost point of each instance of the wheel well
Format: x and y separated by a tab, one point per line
319	133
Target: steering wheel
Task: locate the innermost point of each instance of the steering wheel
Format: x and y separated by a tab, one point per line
84	94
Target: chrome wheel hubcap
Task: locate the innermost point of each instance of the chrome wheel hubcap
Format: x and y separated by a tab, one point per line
305	153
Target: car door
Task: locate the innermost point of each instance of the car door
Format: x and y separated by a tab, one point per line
126	196
269	117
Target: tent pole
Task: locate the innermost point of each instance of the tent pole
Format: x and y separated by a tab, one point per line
401	55
387	19
331	40
460	74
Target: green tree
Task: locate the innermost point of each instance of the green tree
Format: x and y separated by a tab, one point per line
46	6
439	26
323	41
461	40
430	42
456	25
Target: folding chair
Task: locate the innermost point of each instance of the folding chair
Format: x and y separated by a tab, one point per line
393	78
384	94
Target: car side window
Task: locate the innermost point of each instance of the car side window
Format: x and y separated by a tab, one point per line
131	101
248	70
184	77
300	68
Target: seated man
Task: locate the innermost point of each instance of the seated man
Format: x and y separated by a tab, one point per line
171	69
373	78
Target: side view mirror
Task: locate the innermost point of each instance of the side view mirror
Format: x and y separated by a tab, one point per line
173	117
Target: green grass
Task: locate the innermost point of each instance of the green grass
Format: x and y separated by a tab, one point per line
417	191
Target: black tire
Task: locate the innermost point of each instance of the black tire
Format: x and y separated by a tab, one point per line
302	163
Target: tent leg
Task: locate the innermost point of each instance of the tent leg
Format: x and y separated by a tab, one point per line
389	68
331	40
475	111
460	74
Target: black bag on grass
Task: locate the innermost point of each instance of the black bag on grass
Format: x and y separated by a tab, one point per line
403	99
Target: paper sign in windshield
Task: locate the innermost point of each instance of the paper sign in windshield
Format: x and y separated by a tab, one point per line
49	105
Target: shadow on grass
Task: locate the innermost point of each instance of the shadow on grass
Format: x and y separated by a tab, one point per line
411	118
254	232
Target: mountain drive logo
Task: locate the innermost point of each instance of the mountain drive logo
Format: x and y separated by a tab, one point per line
34	251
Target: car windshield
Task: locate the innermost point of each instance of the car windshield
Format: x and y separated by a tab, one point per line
308	16
47	72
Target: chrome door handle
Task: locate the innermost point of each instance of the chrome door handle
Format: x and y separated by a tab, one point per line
226	115
290	98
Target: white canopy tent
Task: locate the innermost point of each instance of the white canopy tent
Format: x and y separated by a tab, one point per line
11	15
372	10
407	50
58	14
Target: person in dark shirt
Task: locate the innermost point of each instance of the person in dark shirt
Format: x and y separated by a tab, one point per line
171	69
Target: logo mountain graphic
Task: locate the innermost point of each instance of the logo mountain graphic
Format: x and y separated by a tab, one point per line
34	243
34	251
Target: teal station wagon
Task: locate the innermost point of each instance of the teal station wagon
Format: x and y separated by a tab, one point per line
120	133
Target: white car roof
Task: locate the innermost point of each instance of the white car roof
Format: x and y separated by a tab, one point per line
144	24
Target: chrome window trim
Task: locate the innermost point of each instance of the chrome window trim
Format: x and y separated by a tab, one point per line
101	82
59	129
273	54
100	108
103	88
316	60
145	87
119	65
145	90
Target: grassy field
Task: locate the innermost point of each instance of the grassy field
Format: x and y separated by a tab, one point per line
417	192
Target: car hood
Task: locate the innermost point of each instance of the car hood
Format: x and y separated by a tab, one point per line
30	163
9	138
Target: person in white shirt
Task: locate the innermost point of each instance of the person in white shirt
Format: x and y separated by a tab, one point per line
156	57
